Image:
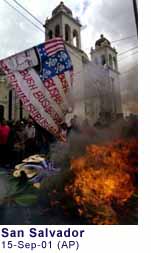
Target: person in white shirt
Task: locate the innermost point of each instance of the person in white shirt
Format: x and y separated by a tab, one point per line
30	134
30	130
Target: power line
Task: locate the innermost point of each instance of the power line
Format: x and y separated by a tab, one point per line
127	51
21	6
33	16
127	56
43	31
23	15
42	23
126	38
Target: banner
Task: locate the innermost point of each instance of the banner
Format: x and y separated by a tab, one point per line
42	79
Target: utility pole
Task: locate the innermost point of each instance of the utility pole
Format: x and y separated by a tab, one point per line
135	14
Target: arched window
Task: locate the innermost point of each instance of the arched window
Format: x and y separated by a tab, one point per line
67	33
50	34
57	31
103	61
75	39
115	63
110	61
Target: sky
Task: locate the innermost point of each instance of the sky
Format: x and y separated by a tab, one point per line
113	18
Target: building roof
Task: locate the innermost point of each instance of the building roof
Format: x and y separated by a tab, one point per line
61	8
100	42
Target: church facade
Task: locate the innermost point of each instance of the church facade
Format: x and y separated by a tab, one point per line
105	97
10	106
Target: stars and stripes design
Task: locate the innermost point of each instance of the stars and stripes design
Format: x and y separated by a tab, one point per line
53	46
54	58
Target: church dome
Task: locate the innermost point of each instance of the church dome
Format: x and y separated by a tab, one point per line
102	42
61	8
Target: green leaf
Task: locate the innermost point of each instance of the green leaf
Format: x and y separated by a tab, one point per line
26	199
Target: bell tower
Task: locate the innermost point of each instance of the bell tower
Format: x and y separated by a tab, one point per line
105	55
62	24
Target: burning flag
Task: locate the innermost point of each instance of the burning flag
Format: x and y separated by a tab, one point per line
42	79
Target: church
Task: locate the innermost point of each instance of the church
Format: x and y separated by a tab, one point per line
96	85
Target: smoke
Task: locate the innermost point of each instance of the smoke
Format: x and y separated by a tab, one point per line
78	141
129	90
96	80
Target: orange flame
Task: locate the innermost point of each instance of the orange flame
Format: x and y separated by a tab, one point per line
102	176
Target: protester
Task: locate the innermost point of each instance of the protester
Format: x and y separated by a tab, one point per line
19	142
30	129
11	140
30	142
74	125
64	131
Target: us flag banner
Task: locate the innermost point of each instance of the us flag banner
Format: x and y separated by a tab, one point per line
42	79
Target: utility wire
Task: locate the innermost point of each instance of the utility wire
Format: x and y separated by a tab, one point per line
126	38
23	15
127	51
127	56
43	31
21	6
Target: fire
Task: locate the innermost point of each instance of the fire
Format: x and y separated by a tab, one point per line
102	177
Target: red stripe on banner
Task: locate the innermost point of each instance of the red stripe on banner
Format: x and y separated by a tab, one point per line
53	52
51	45
51	49
53	40
64	82
46	104
53	91
35	114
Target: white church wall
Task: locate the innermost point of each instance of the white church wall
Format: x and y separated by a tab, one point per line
91	110
78	83
4	95
116	93
4	101
97	91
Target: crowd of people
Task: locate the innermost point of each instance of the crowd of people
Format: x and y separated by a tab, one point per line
24	138
21	139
